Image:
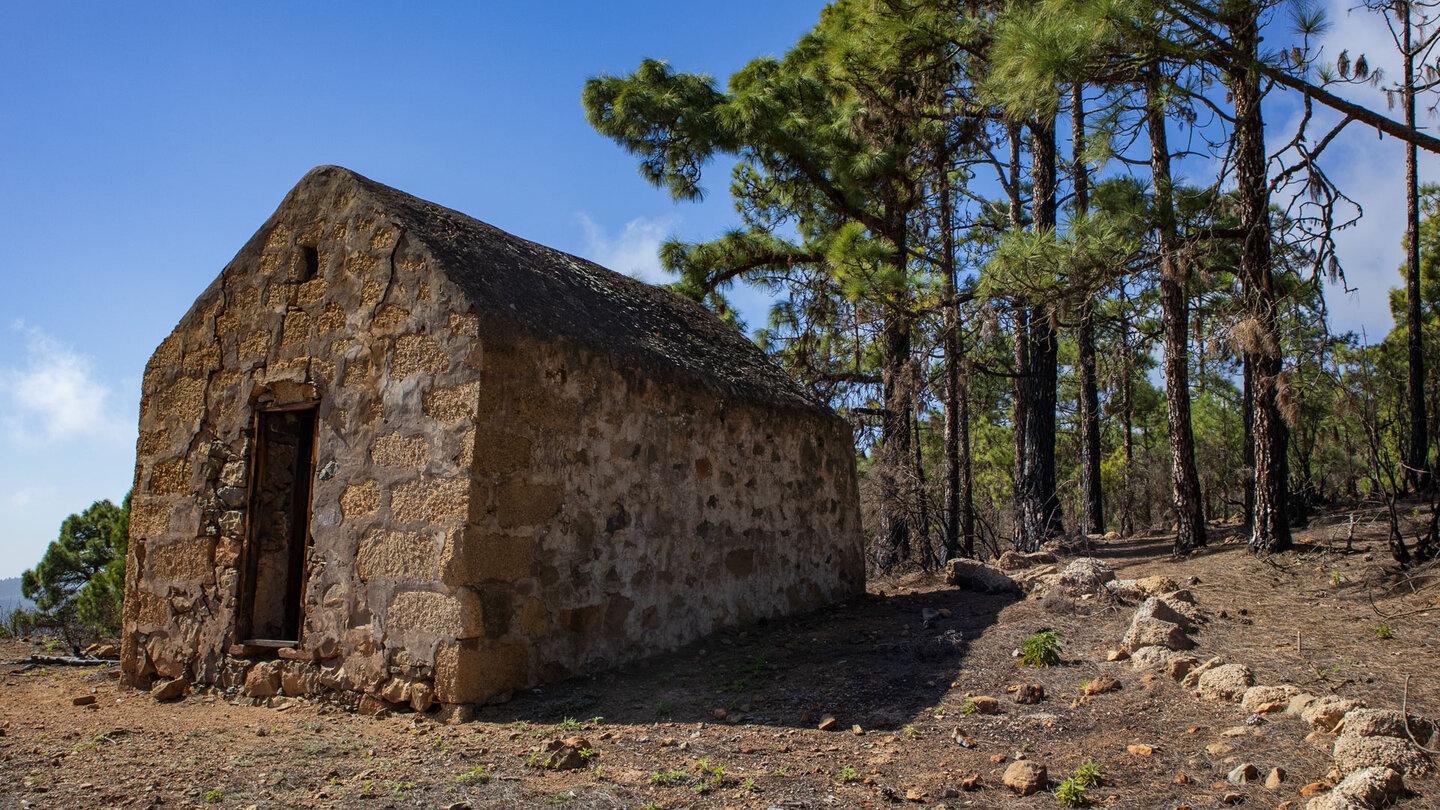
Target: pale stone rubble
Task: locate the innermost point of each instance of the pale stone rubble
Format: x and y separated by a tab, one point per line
1375	748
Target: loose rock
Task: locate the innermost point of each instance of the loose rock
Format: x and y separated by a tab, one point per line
1275	778
1026	777
1327	712
1265	699
1366	789
169	690
1243	774
985	705
1225	682
1358	753
1102	683
1029	693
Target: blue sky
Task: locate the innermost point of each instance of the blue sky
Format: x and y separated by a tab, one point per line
145	142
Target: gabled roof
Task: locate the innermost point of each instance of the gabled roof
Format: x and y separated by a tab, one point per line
545	292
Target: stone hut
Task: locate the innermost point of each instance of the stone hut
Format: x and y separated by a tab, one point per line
394	451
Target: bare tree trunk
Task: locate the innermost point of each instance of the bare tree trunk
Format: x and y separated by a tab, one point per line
1175	306
1271	529
894	442
1247	447
1417	464
1038	507
1092	501
953	408
1127	408
922	503
967	473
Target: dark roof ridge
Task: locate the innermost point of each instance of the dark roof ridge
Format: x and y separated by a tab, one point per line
547	292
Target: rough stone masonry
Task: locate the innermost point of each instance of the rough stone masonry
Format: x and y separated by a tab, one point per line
394	451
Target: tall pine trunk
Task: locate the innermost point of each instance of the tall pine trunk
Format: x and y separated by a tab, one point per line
1417	456
1092	502
1175	311
1038	508
894	441
959	517
1271	529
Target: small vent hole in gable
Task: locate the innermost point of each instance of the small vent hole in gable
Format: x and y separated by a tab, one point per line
309	262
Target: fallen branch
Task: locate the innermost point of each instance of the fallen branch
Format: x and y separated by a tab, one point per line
61	661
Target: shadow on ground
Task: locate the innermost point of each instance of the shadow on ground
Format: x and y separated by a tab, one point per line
873	660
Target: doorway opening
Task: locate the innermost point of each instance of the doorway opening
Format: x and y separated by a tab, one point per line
279	536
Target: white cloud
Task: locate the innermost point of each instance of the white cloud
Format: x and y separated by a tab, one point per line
57	396
635	251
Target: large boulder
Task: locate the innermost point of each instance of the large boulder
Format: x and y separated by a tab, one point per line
1226	682
1266	699
263	679
1153	657
1157	624
1386	723
1366	789
1358	753
978	576
1327	712
1085	575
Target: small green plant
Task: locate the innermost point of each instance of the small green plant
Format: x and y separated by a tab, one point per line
664	708
848	774
969	707
478	775
748	785
1071	793
1041	649
569	725
1384	632
1336	578
1089	774
780	771
586	753
671	777
911	731
214	796
595	721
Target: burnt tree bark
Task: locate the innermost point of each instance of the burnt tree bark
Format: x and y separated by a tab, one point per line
1417	466
1092	501
1175	309
1271	528
1037	507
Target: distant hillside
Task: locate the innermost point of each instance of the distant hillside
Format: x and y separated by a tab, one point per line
10	595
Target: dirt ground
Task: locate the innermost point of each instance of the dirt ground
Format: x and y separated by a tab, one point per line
731	721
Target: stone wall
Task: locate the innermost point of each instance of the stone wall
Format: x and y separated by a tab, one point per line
341	311
619	510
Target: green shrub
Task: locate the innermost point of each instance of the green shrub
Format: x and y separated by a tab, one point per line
1041	649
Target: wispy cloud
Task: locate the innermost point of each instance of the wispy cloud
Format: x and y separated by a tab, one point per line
56	395
635	250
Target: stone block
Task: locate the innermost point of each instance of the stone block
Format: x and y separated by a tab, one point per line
360	499
473	557
452	404
394	450
188	560
465	674
397	555
414	354
428	500
499	451
450	615
522	503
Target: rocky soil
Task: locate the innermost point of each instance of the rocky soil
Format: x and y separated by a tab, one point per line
914	695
